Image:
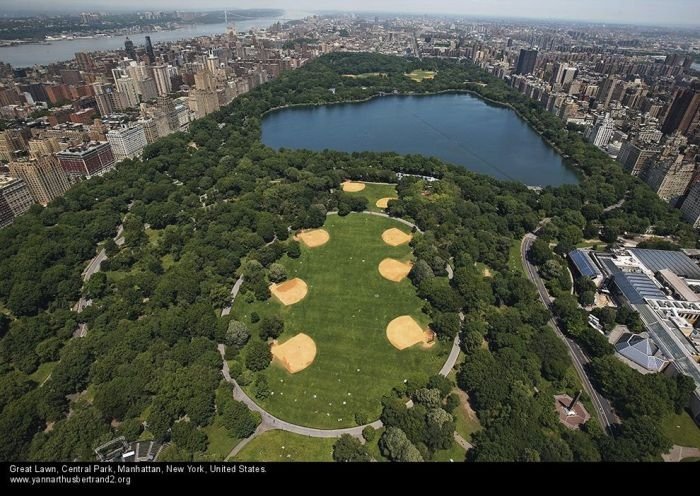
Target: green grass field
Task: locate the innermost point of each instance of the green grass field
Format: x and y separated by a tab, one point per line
374	192
220	441
281	446
682	430
418	75
365	75
346	313
465	420
514	261
43	372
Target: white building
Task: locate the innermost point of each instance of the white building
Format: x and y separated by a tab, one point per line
602	131
127	142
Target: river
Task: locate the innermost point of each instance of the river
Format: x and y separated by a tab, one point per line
458	128
24	55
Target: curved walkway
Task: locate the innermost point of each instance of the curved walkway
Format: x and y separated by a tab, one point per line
386	216
273	422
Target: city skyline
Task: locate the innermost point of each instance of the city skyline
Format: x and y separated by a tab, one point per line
646	12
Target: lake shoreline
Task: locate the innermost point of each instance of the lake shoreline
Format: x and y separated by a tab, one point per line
568	164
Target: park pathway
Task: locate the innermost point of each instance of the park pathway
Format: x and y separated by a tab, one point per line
677	453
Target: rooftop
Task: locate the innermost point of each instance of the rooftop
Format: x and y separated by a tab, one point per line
637	286
584	264
641	351
677	262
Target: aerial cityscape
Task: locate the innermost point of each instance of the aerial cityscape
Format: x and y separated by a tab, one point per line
240	235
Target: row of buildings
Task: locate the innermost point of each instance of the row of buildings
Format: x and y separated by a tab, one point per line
103	108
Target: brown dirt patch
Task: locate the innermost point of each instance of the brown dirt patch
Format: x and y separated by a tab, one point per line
296	353
396	237
394	270
384	202
352	187
313	238
487	272
290	292
404	332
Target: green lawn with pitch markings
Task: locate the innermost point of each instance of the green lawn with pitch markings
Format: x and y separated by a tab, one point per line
281	446
346	312
374	192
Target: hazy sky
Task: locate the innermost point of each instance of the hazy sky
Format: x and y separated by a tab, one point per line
620	11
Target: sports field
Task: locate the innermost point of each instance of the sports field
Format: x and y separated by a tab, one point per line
376	192
418	75
346	312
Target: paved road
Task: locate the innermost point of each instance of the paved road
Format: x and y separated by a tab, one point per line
604	410
234	292
613	207
452	358
677	453
466	445
92	268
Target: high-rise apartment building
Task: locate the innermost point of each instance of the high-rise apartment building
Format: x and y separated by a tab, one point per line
13	142
684	112
44	177
128	91
637	157
602	131
162	79
670	179
45	146
108	100
15	199
127	142
526	62
691	205
89	159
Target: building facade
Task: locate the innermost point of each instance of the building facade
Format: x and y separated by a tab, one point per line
15	199
127	142
87	160
44	178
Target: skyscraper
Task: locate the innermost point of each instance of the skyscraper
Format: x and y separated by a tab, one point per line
149	50
129	48
683	112
44	177
526	62
162	78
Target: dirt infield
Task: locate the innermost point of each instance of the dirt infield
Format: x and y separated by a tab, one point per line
352	187
296	353
290	292
396	237
313	238
404	332
394	270
384	202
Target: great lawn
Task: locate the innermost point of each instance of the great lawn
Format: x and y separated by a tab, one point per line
346	312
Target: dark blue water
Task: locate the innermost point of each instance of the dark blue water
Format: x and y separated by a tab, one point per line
457	128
